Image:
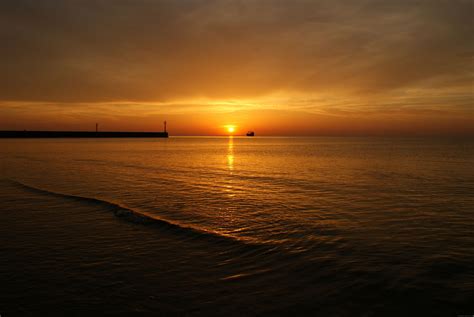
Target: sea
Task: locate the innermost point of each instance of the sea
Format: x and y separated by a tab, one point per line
237	226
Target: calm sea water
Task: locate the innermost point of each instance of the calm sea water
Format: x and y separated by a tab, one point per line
335	226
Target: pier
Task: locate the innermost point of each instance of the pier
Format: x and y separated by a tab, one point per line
25	134
80	134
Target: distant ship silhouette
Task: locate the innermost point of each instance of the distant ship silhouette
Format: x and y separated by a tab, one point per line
250	133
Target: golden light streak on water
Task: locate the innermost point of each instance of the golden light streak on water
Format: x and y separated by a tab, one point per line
230	153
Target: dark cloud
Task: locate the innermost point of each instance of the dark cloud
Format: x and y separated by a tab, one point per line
163	50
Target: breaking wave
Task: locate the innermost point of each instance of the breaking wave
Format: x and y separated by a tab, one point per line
138	217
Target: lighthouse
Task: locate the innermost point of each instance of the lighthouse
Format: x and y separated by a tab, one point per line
164	126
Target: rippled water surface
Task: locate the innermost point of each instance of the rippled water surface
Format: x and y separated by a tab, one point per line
338	226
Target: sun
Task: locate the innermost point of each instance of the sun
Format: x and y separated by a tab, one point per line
230	128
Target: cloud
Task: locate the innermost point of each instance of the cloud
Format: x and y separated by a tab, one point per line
161	51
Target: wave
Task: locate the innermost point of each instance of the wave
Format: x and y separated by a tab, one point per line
143	218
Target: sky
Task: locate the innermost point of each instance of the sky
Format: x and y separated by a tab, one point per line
277	67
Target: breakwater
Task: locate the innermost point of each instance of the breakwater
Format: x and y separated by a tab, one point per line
81	134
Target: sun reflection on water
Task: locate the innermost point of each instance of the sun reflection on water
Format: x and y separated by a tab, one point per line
230	154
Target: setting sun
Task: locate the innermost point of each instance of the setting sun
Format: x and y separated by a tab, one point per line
230	128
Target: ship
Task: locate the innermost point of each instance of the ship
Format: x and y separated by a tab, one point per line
250	133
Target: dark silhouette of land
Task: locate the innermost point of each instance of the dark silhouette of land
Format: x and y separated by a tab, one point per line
80	134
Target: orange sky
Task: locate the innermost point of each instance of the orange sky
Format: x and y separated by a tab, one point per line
276	67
